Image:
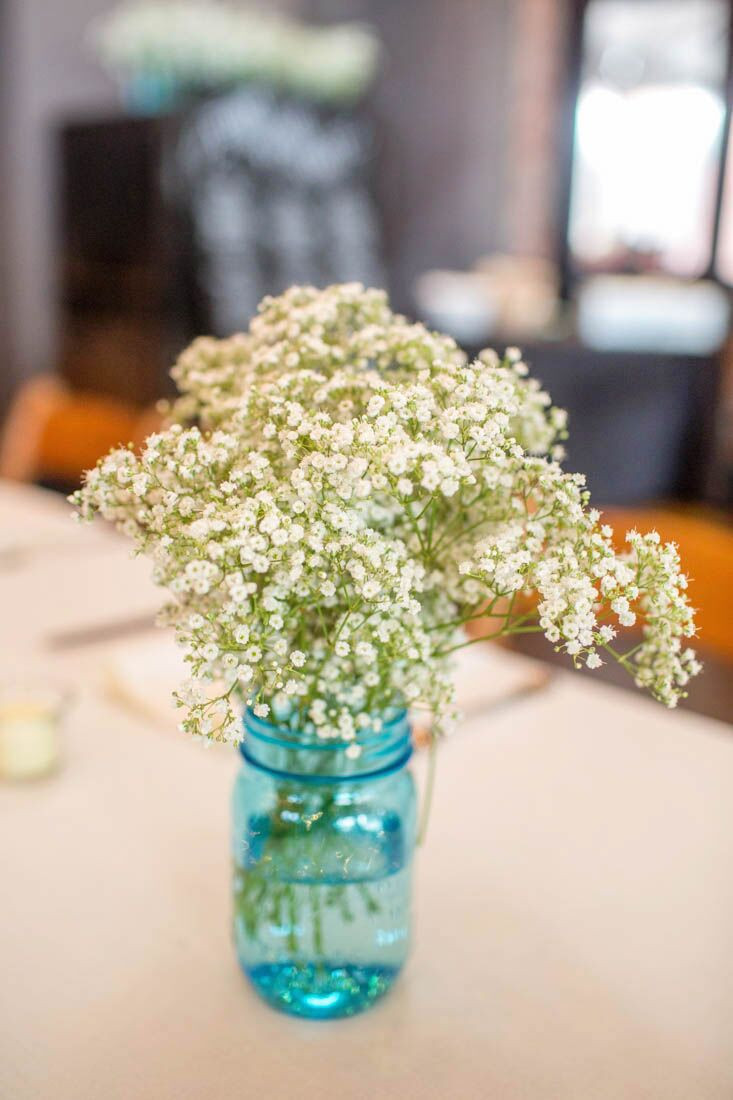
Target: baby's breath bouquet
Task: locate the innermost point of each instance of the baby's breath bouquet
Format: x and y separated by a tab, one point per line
340	492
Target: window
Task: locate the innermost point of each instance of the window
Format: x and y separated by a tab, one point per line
649	123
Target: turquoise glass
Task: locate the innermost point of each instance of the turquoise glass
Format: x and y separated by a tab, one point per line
322	847
151	93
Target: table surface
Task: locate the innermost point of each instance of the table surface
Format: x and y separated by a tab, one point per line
574	901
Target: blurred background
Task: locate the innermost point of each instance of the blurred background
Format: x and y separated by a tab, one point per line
552	174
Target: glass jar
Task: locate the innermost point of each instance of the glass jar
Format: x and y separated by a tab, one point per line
322	846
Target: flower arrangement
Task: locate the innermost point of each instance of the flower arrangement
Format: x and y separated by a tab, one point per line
340	492
210	44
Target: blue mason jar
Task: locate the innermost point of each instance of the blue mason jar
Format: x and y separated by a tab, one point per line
323	843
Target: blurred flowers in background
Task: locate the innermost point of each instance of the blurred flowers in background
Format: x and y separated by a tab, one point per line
161	51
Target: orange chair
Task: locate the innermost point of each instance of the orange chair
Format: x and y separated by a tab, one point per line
53	434
706	549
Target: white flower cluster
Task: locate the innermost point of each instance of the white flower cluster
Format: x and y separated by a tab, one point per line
210	43
341	491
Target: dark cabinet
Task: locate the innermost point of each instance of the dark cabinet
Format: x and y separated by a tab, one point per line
178	225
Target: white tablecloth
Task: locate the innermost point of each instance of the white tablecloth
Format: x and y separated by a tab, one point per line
574	902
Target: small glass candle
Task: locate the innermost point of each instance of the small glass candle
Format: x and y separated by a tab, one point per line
29	722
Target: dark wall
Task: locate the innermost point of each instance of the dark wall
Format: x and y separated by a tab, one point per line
48	72
442	107
5	345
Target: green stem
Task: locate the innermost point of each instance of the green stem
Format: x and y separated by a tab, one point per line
429	788
292	920
371	904
505	632
317	920
485	612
